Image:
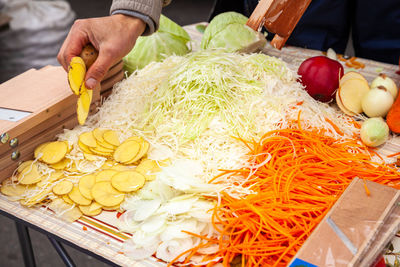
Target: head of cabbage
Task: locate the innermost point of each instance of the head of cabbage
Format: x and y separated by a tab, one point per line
170	39
229	31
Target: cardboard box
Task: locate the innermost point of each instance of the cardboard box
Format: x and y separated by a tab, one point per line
355	230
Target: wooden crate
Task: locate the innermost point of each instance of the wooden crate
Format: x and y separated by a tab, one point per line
51	107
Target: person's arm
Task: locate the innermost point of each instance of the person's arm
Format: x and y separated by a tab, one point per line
147	10
113	36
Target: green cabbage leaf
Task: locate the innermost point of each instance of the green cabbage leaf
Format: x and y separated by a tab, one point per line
170	39
229	31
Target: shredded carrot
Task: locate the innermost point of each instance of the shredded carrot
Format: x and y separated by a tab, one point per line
341	58
84	228
306	174
337	129
393	155
366	188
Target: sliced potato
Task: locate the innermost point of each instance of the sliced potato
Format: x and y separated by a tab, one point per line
90	210
341	107
144	147
85	185
54	152
54	176
111	208
105	194
111	137
98	134
90	157
105	175
95	206
67	199
351	93
120	167
76	74
36	197
351	75
61	165
72	167
128	181
50	179
135	138
13	190
126	151
81	112
108	164
29	175
87	139
104	144
147	167
76	196
100	153
38	150
24	164
68	213
101	149
86	96
63	187
84	148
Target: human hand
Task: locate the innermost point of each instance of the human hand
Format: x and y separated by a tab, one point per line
113	36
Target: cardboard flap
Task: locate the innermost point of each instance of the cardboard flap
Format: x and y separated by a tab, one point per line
346	233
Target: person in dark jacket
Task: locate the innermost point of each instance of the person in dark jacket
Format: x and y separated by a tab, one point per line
374	26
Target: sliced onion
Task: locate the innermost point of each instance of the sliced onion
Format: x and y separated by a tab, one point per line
174	230
211	249
154	224
201	215
126	222
146	208
169	250
142	239
178	206
135	252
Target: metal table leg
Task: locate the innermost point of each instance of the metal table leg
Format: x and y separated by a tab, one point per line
62	252
26	245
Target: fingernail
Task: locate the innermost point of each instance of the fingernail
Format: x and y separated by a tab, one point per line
91	83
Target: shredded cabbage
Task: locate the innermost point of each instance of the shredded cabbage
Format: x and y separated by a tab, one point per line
191	109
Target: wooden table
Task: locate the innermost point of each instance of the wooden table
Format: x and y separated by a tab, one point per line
98	235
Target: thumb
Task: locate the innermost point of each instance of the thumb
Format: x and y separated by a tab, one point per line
98	70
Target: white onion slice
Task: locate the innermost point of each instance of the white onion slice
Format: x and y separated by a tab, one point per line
154	224
146	208
138	253
169	250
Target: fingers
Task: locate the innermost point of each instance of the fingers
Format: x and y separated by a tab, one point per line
77	38
99	68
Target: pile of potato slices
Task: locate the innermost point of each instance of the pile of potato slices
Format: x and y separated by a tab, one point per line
53	178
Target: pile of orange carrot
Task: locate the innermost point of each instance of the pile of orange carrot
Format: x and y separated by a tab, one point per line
306	174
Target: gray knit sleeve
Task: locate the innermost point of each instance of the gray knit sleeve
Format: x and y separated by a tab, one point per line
147	10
